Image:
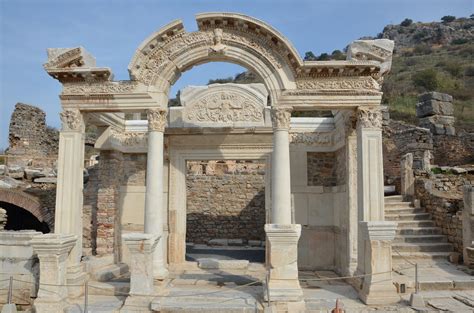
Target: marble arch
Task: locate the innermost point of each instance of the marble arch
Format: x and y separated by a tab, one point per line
350	215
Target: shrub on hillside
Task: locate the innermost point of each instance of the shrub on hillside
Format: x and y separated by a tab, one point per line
422	49
406	22
427	79
469	71
448	18
459	41
453	68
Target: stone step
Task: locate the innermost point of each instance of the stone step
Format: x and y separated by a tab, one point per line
212	263
398	204
110	272
407	217
419	231
420	238
395	198
108	288
423	247
410	210
420	256
420	223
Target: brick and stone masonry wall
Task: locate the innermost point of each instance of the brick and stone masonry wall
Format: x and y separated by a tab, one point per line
225	200
453	150
441	195
326	168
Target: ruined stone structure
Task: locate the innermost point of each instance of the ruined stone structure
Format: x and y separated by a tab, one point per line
29	136
323	196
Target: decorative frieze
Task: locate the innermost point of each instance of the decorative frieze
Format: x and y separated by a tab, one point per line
72	120
369	117
157	119
339	83
130	139
281	117
319	139
86	88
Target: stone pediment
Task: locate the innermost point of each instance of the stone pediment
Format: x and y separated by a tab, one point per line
223	105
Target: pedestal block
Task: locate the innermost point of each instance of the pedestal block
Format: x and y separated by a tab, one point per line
378	288
142	247
282	256
52	251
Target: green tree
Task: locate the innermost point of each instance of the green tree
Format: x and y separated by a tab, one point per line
324	57
309	56
406	22
427	79
448	18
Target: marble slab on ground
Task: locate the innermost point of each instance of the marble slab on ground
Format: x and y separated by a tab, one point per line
99	304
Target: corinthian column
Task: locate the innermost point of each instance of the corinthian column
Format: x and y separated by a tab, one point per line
154	187
69	197
281	184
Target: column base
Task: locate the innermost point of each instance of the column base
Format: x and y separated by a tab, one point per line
283	291
41	306
379	295
293	307
135	304
76	276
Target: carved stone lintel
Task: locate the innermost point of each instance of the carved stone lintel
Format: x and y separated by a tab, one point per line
72	119
281	117
157	119
369	117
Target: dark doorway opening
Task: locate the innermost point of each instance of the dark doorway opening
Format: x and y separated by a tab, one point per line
19	218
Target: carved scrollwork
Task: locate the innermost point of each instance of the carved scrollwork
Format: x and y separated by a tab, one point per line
71	120
281	117
130	139
224	107
157	119
83	88
339	83
369	118
319	139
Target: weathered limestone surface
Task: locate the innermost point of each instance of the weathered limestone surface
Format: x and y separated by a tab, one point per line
408	178
18	259
377	236
52	251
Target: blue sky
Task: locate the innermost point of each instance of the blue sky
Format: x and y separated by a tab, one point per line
112	29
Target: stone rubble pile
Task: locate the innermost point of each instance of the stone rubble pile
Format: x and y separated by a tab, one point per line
435	111
12	176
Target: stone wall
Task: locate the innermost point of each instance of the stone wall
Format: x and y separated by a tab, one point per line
89	217
441	195
453	150
225	200
29	136
326	168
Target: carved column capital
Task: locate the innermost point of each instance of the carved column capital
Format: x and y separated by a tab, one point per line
350	123
72	119
369	117
157	119
281	117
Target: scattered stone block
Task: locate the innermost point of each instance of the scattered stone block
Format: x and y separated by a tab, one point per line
218	242
8	182
46	180
209	263
3	169
33	173
255	243
16	172
235	242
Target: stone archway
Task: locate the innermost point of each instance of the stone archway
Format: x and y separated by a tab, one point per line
29	203
234	38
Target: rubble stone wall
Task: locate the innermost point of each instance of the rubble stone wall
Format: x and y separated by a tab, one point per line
225	200
326	168
441	195
29	136
453	150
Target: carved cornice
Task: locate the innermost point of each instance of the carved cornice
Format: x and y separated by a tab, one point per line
369	117
157	119
72	120
281	117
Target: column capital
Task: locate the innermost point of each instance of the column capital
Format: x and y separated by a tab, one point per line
281	117
72	120
350	122
369	117
157	119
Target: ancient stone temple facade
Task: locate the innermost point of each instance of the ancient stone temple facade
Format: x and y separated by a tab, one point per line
323	178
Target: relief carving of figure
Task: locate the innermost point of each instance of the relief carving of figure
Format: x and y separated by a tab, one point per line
218	46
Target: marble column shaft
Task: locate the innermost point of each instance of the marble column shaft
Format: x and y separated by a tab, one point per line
154	186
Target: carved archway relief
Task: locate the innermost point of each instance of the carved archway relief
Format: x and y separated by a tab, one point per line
233	38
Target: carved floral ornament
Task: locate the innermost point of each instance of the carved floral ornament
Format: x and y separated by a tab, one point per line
369	117
339	83
86	88
157	119
281	117
71	120
225	107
